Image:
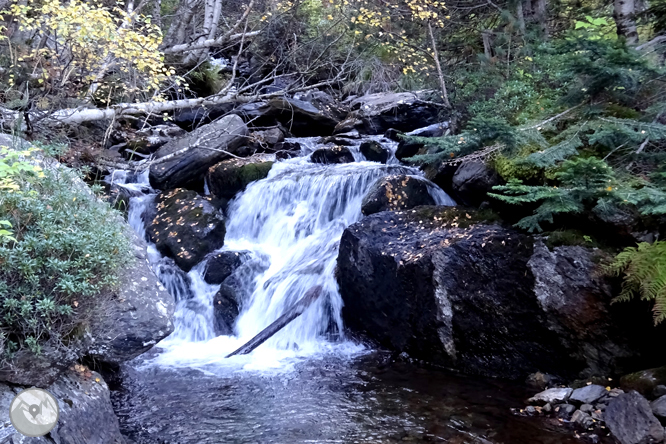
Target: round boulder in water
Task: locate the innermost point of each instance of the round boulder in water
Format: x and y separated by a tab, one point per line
397	192
231	176
187	227
337	154
374	151
220	265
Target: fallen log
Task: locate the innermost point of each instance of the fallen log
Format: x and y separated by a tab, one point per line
292	313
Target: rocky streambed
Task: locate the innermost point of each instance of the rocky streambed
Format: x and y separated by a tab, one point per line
240	224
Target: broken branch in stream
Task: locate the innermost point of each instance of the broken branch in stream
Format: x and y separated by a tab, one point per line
292	313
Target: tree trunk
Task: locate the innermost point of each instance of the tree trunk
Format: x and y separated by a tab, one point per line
440	74
520	16
208	43
157	13
208	30
292	313
541	17
487	44
182	17
625	20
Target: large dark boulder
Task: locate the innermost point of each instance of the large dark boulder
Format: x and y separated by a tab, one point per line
205	146
576	297
630	420
231	176
134	316
396	192
222	264
472	181
337	154
376	113
374	151
86	413
407	148
187	227
443	285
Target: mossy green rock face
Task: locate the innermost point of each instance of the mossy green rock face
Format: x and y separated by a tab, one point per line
230	177
645	381
187	227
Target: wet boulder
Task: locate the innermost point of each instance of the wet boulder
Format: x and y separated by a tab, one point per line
337	154
225	310
452	287
231	176
376	113
86	413
472	181
187	227
631	421
195	152
222	264
396	192
374	151
136	315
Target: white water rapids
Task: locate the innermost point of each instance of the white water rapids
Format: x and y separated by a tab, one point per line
291	223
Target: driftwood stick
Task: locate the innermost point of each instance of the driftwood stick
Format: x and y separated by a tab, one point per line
292	313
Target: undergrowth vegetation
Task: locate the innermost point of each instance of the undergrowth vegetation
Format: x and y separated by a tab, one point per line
60	248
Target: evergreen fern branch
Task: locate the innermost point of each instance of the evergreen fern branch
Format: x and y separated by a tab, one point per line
644	270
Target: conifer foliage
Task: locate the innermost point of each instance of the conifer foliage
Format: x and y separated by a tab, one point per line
644	270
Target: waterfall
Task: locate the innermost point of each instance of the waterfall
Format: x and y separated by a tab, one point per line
291	223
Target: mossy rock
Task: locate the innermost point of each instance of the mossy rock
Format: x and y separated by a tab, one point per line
187	227
645	381
229	177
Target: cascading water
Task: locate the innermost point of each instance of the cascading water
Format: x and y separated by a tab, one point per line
291	223
288	227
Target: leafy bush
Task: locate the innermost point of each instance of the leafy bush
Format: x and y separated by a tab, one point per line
644	270
65	248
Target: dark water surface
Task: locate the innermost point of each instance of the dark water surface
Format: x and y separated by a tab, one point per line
326	400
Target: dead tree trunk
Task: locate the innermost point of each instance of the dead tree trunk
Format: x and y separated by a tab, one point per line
183	16
440	74
624	13
292	313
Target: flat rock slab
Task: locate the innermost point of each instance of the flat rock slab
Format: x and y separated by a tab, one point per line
588	394
552	396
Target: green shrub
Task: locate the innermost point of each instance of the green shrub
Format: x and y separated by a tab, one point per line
644	270
64	249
